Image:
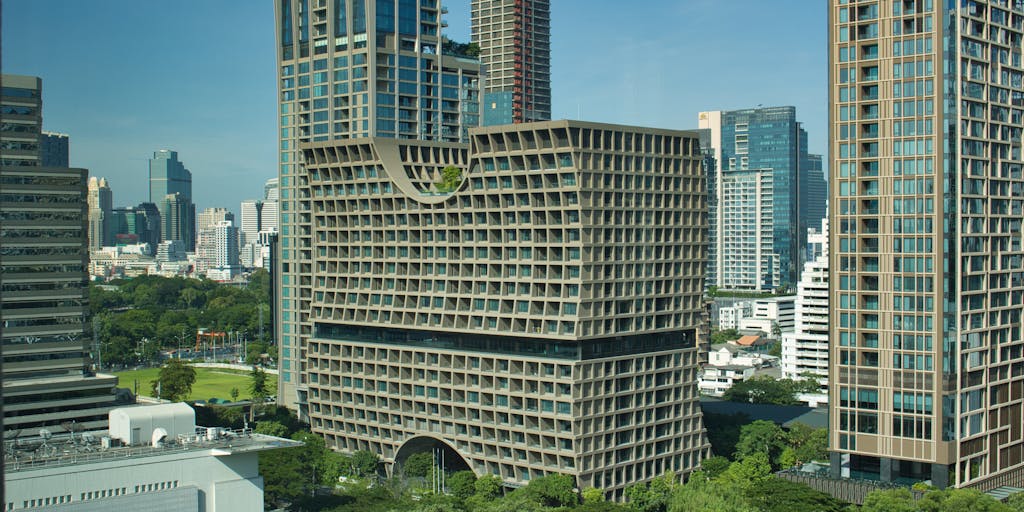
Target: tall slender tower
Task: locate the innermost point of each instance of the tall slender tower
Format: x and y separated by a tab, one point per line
101	206
514	39
926	264
350	69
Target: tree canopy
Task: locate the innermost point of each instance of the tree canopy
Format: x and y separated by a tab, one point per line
174	382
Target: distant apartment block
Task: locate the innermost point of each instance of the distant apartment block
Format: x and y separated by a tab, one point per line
521	323
772	142
217	251
805	351
514	38
101	210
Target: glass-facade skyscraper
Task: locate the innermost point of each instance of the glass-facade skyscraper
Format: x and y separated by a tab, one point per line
763	139
352	69
927	261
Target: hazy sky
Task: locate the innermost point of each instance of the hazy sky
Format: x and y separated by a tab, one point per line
127	77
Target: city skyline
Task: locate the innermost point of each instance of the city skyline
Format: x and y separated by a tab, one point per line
172	100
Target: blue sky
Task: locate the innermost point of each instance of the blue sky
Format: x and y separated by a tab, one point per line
127	77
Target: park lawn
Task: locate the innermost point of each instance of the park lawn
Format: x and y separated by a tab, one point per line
210	382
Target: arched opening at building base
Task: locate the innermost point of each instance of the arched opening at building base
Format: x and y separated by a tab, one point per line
444	455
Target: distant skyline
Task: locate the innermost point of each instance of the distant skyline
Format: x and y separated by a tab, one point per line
125	78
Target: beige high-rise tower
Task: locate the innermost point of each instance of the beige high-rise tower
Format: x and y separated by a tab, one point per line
926	265
514	38
538	318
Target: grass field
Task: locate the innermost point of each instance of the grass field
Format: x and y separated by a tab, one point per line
210	382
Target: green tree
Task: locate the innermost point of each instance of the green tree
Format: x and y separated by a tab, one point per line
592	495
653	496
1016	502
489	487
271	428
806	444
764	437
174	382
418	465
714	466
259	389
960	500
451	178
553	490
747	471
364	463
708	496
889	500
462	484
763	389
775	494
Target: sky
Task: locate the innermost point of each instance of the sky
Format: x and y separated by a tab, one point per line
125	78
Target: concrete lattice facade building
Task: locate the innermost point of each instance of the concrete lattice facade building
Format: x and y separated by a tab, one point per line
927	264
542	318
514	37
351	69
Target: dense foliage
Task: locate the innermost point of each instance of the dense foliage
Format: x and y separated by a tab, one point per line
175	380
147	314
763	389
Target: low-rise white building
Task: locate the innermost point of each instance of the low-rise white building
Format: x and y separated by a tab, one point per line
728	364
729	317
769	311
152	458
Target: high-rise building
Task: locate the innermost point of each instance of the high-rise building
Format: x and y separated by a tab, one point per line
769	139
169	177
212	216
749	260
926	259
101	208
250	213
54	150
178	218
346	69
523	323
21	119
136	225
47	379
217	251
805	349
514	40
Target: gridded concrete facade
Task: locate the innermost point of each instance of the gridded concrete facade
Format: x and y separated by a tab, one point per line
515	48
927	375
348	69
542	318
